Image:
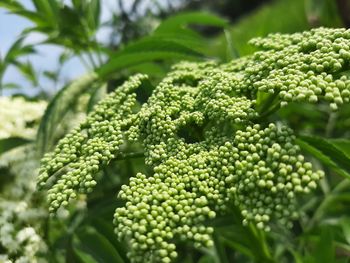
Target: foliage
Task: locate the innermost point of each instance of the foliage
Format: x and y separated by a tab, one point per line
197	169
219	158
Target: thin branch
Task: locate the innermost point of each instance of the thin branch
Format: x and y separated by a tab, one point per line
131	155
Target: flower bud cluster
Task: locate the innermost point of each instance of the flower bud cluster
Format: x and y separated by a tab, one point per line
95	142
200	137
305	66
258	170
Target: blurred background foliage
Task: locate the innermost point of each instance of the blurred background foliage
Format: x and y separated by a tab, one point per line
148	36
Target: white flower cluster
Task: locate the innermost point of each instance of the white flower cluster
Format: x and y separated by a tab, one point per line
18	115
20	218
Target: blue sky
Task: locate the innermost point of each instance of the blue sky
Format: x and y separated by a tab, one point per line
47	55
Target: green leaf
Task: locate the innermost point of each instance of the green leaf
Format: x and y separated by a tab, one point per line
65	99
48	9
156	44
126	60
177	22
297	257
324	252
149	68
345	225
261	22
93	14
11	85
83	256
106	229
92	243
26	68
65	56
325	151
342	144
219	248
16	50
34	17
51	75
11	5
10	143
323	12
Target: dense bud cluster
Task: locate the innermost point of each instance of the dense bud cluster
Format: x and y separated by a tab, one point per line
257	169
304	66
202	139
96	141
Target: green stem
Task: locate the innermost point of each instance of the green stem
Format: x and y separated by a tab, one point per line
91	59
1	85
99	52
331	123
232	53
82	60
125	156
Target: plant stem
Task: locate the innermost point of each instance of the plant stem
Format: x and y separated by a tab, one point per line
125	156
86	65
232	52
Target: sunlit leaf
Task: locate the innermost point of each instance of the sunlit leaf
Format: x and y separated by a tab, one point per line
179	21
126	60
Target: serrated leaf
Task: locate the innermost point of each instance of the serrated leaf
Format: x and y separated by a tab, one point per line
58	107
126	60
10	143
327	153
153	44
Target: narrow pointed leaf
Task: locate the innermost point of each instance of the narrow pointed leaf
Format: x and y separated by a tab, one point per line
10	143
325	151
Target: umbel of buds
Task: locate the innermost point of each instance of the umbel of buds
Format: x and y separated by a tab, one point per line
206	143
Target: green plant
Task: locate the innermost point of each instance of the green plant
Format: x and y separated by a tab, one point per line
212	143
